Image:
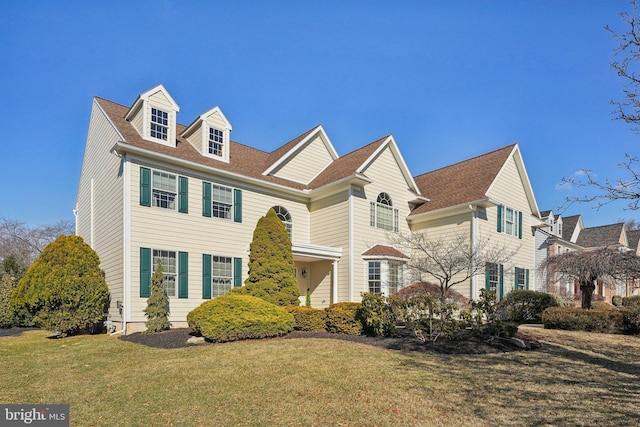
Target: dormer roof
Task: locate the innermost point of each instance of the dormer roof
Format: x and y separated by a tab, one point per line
215	111
137	104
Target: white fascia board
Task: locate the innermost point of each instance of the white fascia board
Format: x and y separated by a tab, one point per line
339	185
390	142
301	195
325	139
104	113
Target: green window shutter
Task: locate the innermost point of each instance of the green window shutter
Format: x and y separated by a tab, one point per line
206	276
145	272
515	281
519	225
145	186
237	205
487	277
501	290
526	278
206	200
500	207
237	272
183	194
183	275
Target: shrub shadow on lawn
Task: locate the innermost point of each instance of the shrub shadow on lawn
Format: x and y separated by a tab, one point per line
403	340
14	332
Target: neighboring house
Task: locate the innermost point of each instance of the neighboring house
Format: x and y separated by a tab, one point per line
555	236
488	196
152	189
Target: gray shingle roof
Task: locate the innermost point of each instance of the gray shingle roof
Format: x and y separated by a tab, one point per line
602	236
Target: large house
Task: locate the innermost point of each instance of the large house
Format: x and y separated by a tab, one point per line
152	190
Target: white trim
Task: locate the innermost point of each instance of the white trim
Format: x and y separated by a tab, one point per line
334	282
145	97
351	245
126	259
316	251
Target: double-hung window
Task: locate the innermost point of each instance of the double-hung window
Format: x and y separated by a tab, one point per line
164	190
382	213
375	278
509	221
159	124
221	201
221	276
521	279
494	280
169	269
216	142
385	276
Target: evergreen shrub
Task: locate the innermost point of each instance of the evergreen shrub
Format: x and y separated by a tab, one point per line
579	319
239	317
7	285
524	306
631	320
616	300
341	318
601	305
376	315
64	289
632	301
308	318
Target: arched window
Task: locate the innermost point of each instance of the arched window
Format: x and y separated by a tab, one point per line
285	217
383	214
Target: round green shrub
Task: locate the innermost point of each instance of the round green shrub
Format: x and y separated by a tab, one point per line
524	306
64	289
307	318
579	319
376	315
632	301
341	318
616	300
237	317
631	320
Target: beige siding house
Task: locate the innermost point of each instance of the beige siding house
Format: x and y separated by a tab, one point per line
152	189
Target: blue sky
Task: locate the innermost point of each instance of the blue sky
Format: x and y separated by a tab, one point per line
449	79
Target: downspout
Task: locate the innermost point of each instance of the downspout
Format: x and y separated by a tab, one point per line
474	244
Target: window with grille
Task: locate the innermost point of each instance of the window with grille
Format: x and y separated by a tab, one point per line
383	214
159	124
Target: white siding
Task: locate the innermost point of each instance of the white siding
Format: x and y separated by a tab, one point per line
307	163
104	169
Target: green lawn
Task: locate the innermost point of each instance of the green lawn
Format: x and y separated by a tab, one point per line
575	379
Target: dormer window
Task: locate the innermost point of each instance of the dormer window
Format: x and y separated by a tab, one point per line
159	124
216	142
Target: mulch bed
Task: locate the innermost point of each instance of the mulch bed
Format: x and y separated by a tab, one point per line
401	340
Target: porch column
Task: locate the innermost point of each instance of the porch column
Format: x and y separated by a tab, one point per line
334	282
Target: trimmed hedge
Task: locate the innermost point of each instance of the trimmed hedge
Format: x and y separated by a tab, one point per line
523	306
239	317
307	318
341	318
632	301
578	319
631	320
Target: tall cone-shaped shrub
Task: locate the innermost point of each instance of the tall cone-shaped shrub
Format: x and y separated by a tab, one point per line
157	310
64	289
271	266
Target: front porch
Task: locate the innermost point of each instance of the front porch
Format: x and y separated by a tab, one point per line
317	272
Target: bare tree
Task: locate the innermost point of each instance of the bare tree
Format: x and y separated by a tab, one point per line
587	267
449	261
25	242
627	188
